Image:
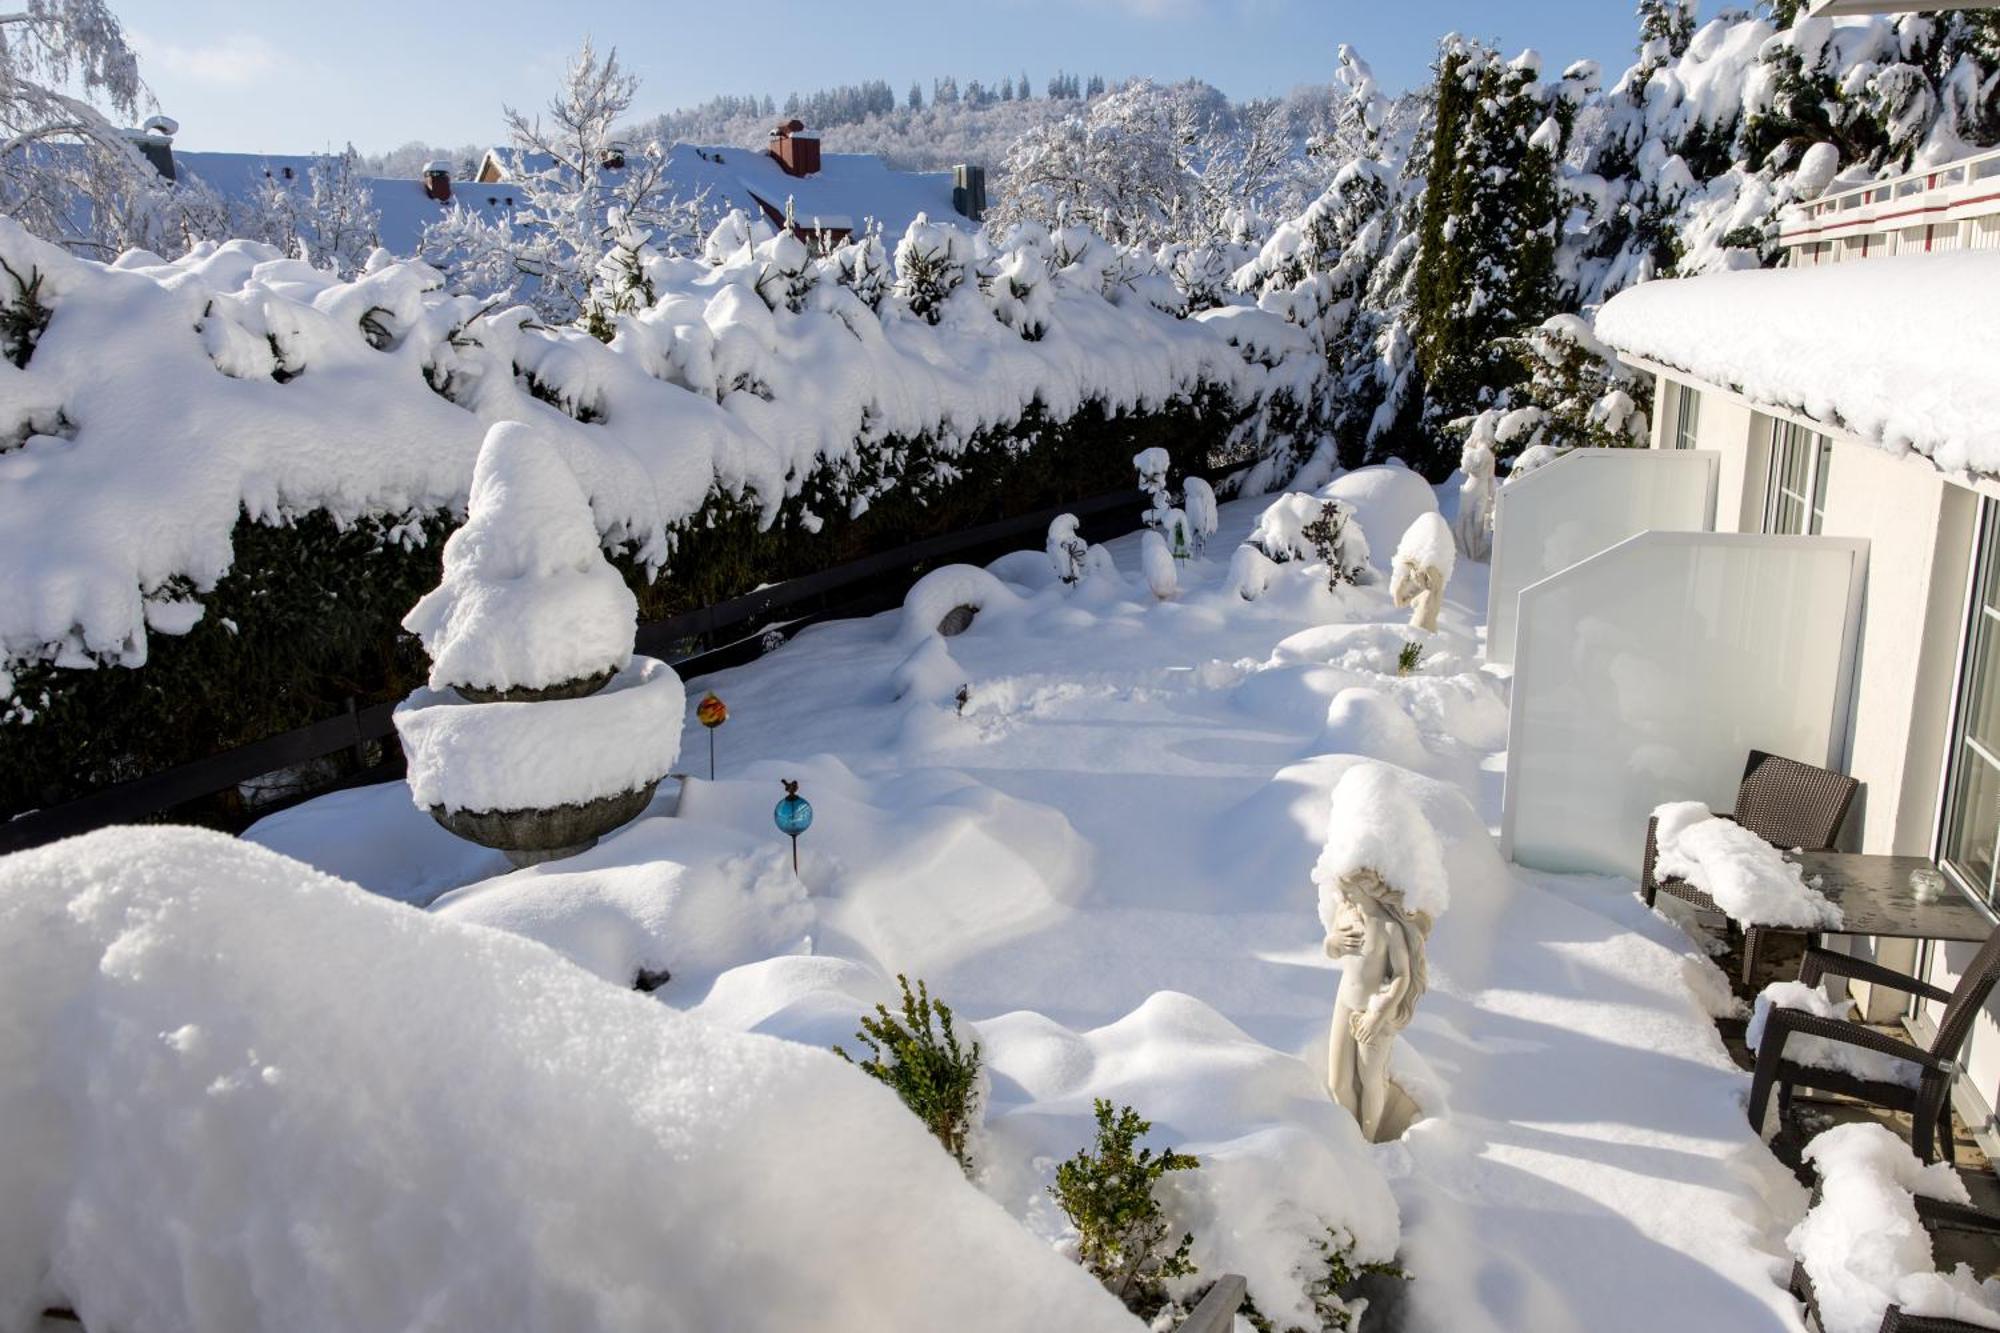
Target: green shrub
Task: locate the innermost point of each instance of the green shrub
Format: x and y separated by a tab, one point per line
1328	535
918	1056
1408	657
1122	1232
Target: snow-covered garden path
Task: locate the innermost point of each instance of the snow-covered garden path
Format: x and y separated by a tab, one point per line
1103	859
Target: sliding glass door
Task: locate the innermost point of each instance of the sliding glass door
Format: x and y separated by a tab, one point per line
1972	791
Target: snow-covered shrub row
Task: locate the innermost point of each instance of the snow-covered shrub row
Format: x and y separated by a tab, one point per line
163	399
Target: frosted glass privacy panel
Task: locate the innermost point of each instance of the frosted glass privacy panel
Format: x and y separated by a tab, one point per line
1588	499
1649	671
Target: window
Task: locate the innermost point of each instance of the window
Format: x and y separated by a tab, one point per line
1795	497
1687	415
1972	783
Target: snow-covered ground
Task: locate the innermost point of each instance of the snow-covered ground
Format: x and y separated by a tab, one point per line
1103	859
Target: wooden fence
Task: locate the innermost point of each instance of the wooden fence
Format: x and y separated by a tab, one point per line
709	638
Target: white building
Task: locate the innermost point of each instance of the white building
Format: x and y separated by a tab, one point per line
1833	410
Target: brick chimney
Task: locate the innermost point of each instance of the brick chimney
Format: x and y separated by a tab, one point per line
796	148
437	181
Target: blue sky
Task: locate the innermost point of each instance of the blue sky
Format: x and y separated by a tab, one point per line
297	77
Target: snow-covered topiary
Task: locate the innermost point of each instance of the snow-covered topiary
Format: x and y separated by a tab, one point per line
1156	558
1067	550
540	730
1198	503
933	261
527	601
1250	572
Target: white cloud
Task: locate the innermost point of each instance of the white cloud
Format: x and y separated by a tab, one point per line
231	60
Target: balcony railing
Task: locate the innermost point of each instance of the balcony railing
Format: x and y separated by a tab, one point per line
1954	206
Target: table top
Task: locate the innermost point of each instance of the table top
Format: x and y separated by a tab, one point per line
1875	898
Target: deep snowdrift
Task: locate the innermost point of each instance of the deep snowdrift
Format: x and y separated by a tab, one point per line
240	1094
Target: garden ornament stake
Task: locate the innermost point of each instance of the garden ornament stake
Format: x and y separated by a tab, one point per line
794	815
711	712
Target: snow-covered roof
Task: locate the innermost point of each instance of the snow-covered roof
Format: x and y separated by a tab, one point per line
406	210
1898	352
849	190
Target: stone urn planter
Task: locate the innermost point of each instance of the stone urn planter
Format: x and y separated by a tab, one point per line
539	731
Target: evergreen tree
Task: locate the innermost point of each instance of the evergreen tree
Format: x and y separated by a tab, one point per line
1671	23
915	101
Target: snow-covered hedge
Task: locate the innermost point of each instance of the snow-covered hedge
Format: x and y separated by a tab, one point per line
152	413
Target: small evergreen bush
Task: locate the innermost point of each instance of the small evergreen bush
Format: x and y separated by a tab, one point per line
1328	535
1331	1291
918	1055
1122	1232
1408	657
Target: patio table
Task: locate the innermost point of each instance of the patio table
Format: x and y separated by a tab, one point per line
1875	898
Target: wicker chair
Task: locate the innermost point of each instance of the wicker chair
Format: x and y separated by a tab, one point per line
1928	1104
1782	801
1936	1215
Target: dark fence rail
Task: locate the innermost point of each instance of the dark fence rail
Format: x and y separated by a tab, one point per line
689	641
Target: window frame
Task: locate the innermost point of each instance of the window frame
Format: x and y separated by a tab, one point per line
1963	751
1795	480
1687	415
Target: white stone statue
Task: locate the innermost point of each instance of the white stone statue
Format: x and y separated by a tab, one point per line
1382	979
1381	884
1421	568
1475	494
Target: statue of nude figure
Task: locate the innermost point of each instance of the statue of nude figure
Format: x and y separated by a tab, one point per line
1380	982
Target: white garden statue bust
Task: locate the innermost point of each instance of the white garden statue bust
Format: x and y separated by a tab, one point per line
1475	494
1421	568
1381	885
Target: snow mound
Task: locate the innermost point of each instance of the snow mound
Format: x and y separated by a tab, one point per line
533	756
1749	879
1818	1052
1864	1245
1281	1164
942	591
1369	723
237	1091
1376	825
1158	563
1385	499
663	895
928	674
527	597
1250	572
1890	350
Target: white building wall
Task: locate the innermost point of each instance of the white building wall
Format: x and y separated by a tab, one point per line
1921	528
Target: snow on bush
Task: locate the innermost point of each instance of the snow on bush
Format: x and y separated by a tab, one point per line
1376	824
1786	337
665	897
1819	1052
928	674
1198	502
164	401
527	597
1250	572
1384	499
1157	560
1864	1245
946	589
236	1091
1066	549
1749	879
1282	1166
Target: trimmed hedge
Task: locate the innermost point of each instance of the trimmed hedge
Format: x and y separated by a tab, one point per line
308	617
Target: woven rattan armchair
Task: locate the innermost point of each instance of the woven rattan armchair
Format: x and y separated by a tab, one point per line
1929	1103
1784	802
1936	1215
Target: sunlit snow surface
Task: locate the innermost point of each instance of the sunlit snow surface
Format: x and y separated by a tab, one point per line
1103	862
